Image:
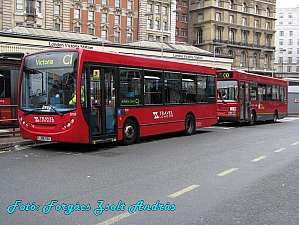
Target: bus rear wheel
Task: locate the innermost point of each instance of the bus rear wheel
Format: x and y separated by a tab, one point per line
275	117
129	132
189	125
252	119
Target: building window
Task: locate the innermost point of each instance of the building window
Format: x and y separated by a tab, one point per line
231	19
244	7
290	51
77	13
279	69
116	37
254	60
291	33
57	10
129	37
129	21
149	7
289	59
57	26
104	2
199	36
184	32
77	29
290	41
157	8
157	25
281	33
177	16
256	9
231	4
164	25
280	41
297	69
290	15
149	24
230	53
268	25
218	16
130	5
256	23
38	7
104	34
164	10
280	22
280	15
201	3
244	37
184	17
200	18
104	18
256	39
90	31
297	50
19	4
289	69
218	34
243	59
266	62
244	21
280	59
117	3
231	36
117	20
90	15
176	31
217	3
150	37
268	12
184	3
91	1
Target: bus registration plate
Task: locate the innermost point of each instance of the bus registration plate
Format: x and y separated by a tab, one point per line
43	138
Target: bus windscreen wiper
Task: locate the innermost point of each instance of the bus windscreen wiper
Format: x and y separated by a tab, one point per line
59	113
31	111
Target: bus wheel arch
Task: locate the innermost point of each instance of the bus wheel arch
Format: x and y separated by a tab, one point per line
130	131
190	126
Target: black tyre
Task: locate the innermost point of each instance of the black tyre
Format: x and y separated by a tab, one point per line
252	119
189	125
275	117
129	132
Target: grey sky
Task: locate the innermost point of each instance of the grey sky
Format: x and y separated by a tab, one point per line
286	3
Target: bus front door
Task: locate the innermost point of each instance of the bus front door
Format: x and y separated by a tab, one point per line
244	101
103	115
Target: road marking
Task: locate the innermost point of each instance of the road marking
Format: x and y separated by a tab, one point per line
115	219
178	193
227	172
295	143
280	150
258	159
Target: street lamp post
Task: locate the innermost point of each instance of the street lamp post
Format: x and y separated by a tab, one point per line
282	51
162	28
221	46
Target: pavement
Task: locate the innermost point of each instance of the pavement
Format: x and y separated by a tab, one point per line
11	137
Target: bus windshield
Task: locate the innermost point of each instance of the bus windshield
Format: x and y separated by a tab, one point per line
227	91
48	82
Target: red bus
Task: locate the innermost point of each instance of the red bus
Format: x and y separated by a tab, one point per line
5	96
86	96
247	97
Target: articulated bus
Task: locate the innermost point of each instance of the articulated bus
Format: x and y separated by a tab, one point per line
247	97
77	95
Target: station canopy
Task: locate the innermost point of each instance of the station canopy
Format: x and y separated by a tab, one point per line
82	37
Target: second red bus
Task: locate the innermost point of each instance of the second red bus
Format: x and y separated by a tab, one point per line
247	97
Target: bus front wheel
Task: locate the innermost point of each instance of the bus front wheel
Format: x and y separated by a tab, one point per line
189	125
129	132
